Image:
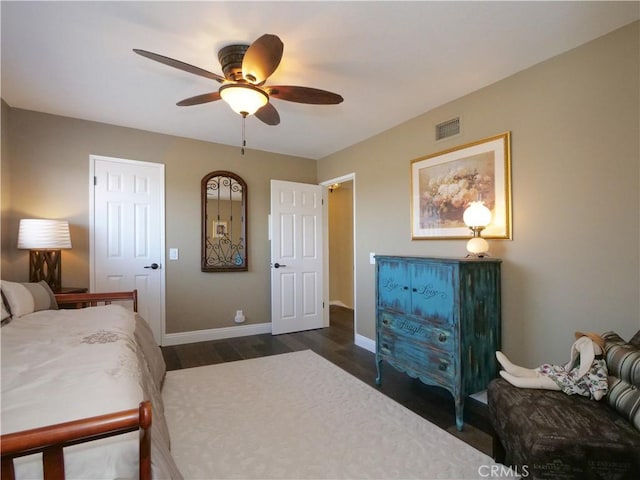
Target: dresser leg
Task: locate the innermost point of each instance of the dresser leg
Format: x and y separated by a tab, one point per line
379	369
459	413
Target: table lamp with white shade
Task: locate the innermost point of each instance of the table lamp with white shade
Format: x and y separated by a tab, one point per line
477	216
44	239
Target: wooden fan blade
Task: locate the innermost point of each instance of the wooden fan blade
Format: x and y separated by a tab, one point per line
198	99
313	96
179	65
262	58
268	114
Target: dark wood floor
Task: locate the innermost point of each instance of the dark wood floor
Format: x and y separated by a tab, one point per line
336	345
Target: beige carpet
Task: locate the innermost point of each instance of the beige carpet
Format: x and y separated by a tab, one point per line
298	416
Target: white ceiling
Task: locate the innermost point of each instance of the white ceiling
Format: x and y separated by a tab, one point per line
391	61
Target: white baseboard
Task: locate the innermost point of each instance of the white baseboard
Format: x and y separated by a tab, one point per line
339	304
365	343
195	336
215	334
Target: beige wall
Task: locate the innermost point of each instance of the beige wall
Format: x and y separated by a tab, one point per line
341	244
5	199
574	261
49	162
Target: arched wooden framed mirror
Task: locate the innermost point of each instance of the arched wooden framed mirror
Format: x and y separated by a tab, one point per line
224	222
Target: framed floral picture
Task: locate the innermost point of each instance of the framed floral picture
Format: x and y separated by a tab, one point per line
443	185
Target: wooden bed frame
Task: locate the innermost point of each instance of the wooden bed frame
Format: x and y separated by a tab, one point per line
81	300
51	440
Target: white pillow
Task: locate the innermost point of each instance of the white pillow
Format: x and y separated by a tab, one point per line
5	312
25	298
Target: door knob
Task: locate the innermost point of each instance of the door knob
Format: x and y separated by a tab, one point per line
153	266
278	265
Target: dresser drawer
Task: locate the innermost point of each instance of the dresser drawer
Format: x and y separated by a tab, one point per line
438	337
416	358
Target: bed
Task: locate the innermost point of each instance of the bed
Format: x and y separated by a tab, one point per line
75	374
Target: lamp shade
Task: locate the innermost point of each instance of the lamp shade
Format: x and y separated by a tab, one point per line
476	215
39	234
244	99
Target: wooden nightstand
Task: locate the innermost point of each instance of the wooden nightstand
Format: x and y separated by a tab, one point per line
64	290
67	290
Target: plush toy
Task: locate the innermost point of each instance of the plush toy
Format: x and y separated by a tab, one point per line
585	374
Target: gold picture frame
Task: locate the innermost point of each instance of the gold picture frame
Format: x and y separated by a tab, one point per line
443	184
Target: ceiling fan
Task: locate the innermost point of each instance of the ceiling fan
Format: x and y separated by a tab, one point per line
246	68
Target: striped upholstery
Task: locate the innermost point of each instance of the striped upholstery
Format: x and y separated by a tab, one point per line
623	363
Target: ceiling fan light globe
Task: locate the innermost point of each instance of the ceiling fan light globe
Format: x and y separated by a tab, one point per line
244	99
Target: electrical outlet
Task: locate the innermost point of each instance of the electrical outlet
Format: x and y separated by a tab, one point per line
372	258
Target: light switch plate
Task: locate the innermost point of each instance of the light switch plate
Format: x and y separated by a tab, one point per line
173	254
372	258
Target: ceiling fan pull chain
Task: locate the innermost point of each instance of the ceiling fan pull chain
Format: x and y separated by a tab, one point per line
244	142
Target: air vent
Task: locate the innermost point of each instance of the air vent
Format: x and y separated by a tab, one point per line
448	128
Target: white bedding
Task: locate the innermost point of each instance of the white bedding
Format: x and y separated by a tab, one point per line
62	365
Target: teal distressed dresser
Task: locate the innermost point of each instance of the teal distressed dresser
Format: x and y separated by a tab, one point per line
438	319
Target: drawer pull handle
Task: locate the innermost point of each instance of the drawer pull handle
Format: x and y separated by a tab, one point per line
385	321
443	366
405	288
442	337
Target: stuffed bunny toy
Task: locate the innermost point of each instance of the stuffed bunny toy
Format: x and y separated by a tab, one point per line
585	374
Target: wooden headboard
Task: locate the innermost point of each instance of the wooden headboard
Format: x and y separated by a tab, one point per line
81	300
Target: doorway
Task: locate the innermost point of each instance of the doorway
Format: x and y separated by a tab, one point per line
340	195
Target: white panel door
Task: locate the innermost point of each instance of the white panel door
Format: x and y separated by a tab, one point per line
127	233
296	257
